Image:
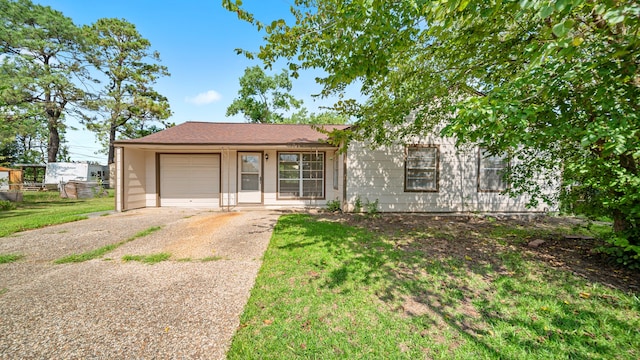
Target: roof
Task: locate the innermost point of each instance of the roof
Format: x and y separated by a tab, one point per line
209	133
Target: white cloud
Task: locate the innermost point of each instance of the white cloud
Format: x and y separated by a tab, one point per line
208	97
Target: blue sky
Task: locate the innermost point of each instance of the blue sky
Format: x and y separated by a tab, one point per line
196	40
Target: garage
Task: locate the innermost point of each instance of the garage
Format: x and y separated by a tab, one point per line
190	180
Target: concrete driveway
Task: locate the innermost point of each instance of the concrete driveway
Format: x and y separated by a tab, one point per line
187	307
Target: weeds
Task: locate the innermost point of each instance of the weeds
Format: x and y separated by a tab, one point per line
6	205
333	205
148	259
211	258
94	254
9	258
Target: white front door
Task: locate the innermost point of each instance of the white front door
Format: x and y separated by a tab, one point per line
250	178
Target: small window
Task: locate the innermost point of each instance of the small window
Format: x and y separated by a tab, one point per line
421	168
336	168
491	170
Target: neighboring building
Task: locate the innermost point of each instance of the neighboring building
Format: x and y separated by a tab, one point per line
10	178
285	166
61	172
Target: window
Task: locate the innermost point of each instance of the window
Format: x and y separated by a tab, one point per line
490	171
336	168
421	168
301	175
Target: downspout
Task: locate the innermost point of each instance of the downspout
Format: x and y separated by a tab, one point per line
228	180
344	179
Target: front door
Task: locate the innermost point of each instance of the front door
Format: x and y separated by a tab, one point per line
250	178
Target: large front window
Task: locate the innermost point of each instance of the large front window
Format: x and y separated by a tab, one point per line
421	168
301	175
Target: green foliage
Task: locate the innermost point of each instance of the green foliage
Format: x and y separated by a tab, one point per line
40	209
9	258
554	85
357	205
622	251
42	69
355	294
148	259
324	118
128	101
263	98
266	99
97	253
372	207
86	256
6	205
333	205
211	258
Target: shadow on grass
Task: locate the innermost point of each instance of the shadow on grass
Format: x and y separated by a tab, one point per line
484	294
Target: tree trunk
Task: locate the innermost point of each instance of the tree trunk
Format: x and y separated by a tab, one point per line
54	141
112	138
622	225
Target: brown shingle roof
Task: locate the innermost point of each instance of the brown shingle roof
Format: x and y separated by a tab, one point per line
207	133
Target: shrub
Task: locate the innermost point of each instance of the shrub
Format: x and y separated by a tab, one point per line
357	205
372	207
6	205
620	249
333	205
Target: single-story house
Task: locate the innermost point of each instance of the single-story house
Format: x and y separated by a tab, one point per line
288	166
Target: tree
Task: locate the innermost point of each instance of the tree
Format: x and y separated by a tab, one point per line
42	67
553	84
326	117
129	101
263	98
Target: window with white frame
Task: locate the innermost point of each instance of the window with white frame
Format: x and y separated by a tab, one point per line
301	175
491	169
421	168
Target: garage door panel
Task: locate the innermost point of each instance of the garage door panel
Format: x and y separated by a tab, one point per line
190	180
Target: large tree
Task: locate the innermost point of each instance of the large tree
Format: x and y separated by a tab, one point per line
42	67
554	84
128	102
263	98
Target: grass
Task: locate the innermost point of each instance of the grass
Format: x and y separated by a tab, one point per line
330	291
211	258
97	253
40	209
148	259
9	258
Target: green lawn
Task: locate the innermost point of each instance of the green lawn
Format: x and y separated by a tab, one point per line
331	291
41	209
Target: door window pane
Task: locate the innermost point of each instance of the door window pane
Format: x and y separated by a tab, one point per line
250	182
250	163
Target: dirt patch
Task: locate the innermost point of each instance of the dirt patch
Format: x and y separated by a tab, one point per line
196	242
478	240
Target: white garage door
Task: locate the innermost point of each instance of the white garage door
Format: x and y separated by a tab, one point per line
190	180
